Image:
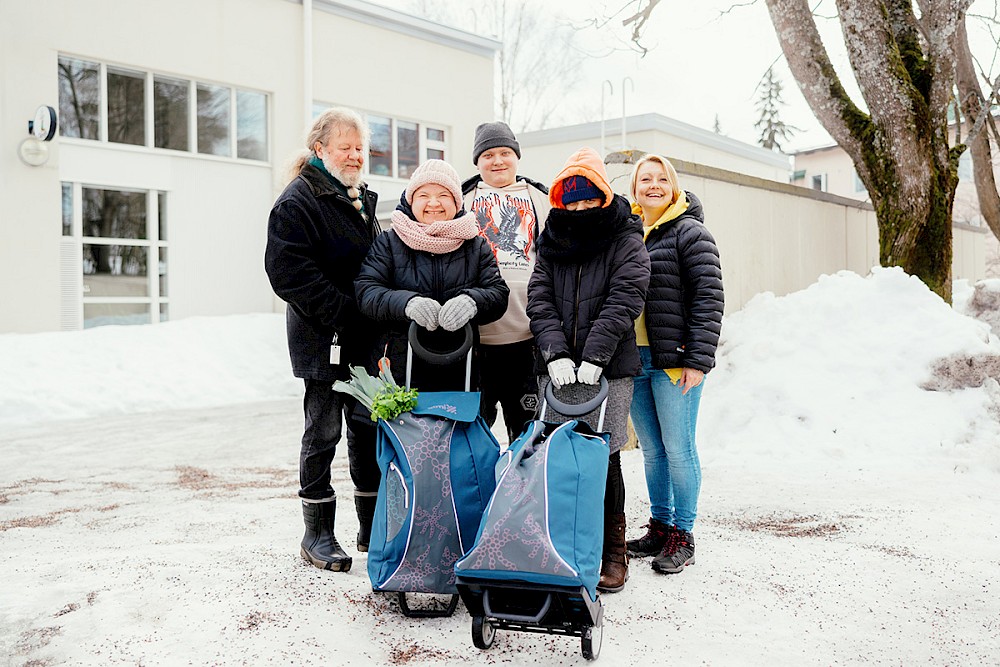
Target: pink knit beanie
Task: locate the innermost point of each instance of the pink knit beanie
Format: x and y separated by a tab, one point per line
439	172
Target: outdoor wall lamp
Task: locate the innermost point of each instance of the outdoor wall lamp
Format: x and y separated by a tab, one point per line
34	151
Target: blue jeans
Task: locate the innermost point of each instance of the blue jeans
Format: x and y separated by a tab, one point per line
664	422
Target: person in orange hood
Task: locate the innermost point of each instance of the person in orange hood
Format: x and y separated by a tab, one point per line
587	288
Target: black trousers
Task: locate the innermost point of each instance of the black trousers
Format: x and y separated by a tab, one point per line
614	488
507	377
326	413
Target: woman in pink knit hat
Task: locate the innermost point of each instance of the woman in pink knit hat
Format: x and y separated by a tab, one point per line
434	269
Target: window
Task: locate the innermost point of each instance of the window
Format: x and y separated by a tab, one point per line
251	125
79	98
409	154
123	253
380	150
170	114
213	120
180	115
67	209
819	182
126	107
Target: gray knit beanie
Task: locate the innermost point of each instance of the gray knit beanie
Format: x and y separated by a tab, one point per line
494	135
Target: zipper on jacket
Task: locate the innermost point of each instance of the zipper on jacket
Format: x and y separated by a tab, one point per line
436	280
402	482
576	307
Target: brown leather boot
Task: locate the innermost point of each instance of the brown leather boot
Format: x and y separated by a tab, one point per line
614	561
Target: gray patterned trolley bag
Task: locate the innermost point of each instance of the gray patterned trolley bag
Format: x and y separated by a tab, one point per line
537	557
437	463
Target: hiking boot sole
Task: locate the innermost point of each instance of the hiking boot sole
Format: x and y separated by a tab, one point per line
642	554
343	565
670	569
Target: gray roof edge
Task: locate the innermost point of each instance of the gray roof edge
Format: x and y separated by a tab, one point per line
391	19
655	121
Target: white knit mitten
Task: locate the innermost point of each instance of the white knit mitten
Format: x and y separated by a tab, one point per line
456	311
423	311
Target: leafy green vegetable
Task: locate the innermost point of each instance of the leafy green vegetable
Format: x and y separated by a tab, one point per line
392	401
382	396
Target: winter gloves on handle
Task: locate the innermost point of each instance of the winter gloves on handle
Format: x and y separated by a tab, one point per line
424	312
456	312
562	372
589	373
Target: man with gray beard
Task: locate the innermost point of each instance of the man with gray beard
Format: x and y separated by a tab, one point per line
318	233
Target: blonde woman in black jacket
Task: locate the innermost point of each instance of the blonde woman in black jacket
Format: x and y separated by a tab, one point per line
677	334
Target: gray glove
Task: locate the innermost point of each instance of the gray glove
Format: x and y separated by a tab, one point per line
589	373
562	372
456	311
423	311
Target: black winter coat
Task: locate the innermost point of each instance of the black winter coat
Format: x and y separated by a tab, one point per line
316	242
393	273
587	288
685	300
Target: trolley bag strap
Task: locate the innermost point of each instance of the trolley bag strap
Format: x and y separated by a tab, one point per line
413	345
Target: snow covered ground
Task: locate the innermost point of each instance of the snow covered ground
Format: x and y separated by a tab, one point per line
848	516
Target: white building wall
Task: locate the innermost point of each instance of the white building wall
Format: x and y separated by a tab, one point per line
372	59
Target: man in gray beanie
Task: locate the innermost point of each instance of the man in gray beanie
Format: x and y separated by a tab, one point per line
510	211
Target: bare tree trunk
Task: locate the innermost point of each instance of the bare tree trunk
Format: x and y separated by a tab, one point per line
900	150
972	102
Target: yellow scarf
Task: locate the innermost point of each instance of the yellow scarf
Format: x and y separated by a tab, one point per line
673	211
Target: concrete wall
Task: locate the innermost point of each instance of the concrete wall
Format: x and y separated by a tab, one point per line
780	238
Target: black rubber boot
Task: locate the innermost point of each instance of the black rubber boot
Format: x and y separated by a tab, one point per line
319	545
365	505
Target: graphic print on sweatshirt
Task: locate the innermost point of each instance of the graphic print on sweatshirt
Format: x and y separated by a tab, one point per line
506	219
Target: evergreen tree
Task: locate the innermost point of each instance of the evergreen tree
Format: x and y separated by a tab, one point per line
773	131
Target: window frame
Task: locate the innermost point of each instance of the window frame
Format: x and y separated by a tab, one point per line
157	303
149	120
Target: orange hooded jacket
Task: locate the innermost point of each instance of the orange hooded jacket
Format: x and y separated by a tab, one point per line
587	163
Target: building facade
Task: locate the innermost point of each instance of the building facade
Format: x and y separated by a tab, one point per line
830	169
176	124
545	151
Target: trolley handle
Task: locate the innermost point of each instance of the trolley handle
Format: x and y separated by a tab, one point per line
578	409
414	346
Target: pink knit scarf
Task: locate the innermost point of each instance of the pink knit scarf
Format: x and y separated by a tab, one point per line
436	238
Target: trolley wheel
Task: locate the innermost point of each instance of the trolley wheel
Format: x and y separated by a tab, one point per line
590	641
483	632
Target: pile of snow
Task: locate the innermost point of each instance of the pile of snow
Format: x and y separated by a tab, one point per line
195	362
838	368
